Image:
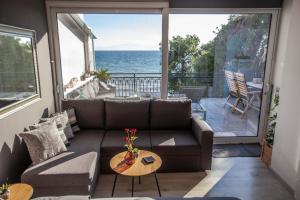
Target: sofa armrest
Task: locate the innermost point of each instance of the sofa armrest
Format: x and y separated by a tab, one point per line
204	134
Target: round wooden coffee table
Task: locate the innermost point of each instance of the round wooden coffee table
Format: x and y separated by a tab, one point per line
20	191
138	169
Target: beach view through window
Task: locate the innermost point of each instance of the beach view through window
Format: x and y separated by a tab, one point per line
127	47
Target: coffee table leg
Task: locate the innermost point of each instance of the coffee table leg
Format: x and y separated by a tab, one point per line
113	190
157	184
139	180
132	187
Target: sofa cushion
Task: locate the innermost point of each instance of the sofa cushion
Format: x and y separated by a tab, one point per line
44	142
87	140
170	114
127	114
76	167
89	113
174	142
113	142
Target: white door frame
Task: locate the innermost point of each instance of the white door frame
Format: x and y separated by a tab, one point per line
268	70
55	7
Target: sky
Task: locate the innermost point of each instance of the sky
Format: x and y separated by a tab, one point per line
143	31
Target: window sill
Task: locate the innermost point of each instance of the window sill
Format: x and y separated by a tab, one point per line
9	110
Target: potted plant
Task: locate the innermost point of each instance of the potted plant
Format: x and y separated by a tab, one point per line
102	74
267	144
132	152
4	191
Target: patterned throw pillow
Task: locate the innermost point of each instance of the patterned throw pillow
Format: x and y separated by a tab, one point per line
73	120
43	142
63	126
67	127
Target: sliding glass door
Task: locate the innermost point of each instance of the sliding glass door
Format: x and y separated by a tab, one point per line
219	61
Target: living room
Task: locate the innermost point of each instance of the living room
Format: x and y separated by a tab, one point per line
197	131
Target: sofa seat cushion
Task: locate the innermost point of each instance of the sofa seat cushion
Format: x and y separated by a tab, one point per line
170	114
87	140
76	167
174	142
122	114
89	112
113	142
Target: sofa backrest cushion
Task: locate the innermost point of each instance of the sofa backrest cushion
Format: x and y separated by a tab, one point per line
170	114
122	114
89	112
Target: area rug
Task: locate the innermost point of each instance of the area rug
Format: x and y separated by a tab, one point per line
236	150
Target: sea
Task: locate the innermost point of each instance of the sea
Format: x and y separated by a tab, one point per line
129	61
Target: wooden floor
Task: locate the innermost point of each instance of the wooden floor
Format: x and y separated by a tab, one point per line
245	178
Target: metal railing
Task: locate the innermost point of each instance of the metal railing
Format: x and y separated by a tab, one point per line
129	84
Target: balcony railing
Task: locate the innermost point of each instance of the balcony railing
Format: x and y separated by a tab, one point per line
129	84
149	85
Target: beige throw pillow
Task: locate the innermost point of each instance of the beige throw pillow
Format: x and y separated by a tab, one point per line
43	142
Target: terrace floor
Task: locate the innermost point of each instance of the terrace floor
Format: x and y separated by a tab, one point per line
224	122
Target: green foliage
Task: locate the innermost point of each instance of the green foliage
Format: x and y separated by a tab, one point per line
182	53
272	120
135	150
103	75
243	37
4	188
17	72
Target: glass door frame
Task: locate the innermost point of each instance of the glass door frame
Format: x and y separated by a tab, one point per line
268	79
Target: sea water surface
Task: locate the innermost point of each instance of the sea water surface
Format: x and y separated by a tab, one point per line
129	61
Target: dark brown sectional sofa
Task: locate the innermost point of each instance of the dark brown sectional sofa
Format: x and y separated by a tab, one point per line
165	127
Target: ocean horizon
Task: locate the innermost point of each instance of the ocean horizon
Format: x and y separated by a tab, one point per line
129	61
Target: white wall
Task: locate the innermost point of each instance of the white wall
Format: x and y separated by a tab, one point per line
72	54
286	150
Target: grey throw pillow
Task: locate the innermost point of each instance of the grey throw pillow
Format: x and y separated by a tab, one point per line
63	119
43	142
73	120
63	126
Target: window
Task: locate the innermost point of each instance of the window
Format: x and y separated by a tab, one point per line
18	67
119	55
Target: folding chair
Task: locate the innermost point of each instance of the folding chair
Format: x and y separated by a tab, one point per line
233	89
246	97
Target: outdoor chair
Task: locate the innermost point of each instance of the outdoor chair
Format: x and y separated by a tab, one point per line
245	96
233	89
